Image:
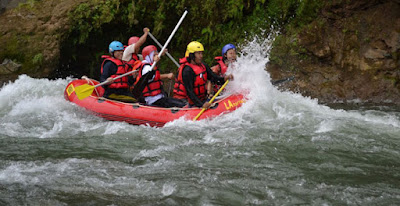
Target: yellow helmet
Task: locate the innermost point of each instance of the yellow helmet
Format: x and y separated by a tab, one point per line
193	47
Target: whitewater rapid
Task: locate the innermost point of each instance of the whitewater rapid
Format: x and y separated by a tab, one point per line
279	147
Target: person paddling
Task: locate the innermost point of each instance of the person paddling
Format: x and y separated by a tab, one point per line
135	56
112	67
193	75
222	63
228	56
132	50
153	92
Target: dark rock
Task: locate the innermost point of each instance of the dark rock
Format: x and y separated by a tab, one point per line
9	67
353	52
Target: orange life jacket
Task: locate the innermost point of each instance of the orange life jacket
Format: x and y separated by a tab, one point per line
200	82
122	68
153	88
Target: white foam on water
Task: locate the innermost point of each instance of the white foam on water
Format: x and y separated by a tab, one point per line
168	189
32	107
83	176
325	126
267	104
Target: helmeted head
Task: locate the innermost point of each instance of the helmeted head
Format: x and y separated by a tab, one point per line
115	46
193	47
133	40
226	48
147	50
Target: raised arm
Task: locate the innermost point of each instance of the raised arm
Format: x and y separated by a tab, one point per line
142	39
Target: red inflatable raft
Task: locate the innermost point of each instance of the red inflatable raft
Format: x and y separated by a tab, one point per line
135	113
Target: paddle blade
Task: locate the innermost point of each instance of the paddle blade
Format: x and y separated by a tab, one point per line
84	91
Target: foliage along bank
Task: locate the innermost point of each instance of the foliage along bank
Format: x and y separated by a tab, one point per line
331	47
60	38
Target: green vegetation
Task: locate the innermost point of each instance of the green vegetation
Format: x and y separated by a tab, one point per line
88	17
28	59
29	5
38	59
213	23
93	24
24	47
295	17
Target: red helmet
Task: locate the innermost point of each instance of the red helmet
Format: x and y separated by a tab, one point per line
133	40
147	50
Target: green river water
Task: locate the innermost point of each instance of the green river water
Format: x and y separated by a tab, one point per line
280	148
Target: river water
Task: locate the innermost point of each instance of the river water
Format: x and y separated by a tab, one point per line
280	148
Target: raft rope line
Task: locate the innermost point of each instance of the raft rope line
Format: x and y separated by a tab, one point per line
90	81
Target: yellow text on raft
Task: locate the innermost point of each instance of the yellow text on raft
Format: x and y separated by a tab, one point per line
231	105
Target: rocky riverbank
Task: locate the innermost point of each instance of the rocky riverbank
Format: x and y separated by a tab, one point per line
336	50
350	52
31	37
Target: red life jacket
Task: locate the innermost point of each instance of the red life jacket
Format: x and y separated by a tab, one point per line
122	68
200	82
135	57
179	88
133	60
223	68
153	88
222	65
